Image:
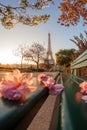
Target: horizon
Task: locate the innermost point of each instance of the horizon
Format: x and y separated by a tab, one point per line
22	34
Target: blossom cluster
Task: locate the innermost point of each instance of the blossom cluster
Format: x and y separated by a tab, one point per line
16	86
49	82
72	11
83	91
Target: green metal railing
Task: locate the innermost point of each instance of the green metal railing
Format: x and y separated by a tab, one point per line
81	61
12	112
73	112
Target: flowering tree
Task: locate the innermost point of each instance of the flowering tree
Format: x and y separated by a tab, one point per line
72	11
10	15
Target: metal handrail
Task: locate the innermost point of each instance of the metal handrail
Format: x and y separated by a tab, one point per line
74	79
61	79
11	112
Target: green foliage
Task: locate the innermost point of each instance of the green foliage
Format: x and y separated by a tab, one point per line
64	57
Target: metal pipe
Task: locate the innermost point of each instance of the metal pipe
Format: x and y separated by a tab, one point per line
12	111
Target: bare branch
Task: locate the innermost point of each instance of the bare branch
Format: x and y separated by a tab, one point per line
81	42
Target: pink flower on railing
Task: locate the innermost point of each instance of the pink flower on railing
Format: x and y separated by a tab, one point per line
84	97
56	89
46	80
83	86
16	85
49	82
83	91
78	97
42	78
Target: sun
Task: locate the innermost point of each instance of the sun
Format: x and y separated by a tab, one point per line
7	57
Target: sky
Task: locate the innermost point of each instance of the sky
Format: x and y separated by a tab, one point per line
22	34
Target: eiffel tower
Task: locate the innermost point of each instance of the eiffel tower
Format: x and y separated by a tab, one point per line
49	57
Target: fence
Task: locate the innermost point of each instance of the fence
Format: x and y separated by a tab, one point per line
40	108
79	65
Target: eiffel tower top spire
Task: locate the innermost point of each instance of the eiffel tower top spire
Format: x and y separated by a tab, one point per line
49	42
49	58
49	50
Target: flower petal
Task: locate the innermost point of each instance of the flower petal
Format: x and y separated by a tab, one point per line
56	89
84	97
16	85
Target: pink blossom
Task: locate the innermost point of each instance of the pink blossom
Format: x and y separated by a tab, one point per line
49	82
44	0
56	89
42	78
46	80
84	97
78	96
83	86
16	85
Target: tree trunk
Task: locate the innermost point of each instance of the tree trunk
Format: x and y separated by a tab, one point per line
21	62
37	66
